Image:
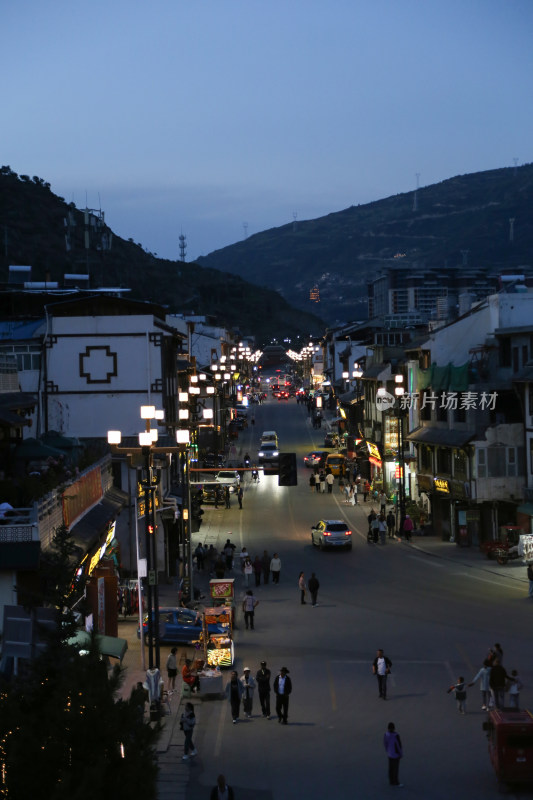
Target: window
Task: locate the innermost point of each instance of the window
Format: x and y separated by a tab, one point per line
516	359
460	464
505	352
426	459
460	414
482	463
511	461
444	461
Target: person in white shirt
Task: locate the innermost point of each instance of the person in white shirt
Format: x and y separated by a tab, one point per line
248	686
275	568
381	667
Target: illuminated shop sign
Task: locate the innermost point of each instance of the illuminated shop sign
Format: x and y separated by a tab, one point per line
441	485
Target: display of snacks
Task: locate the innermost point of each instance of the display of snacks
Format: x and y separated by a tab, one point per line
221	657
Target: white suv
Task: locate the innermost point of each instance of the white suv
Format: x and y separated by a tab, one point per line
229	477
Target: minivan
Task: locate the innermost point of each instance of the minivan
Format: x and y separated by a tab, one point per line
334	462
269	436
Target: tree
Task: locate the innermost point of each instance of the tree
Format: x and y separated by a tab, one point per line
63	733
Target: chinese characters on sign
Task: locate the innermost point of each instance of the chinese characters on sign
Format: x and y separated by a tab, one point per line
450	400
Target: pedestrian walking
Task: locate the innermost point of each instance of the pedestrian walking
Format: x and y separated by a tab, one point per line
249	604
248	686
407	528
497	681
199	554
460	694
513	688
394	750
317	480
248	571
312	481
219	568
234	695
341	483
222	791
530	578
382	528
239	497
258	569
330	480
275	568
495	652
243	555
313	585
227	497
172	669
282	690
262	680
374	525
391	524
348	493
302	587
265	562
381	667
382	502
483	676
355	494
187	723
229	547
322	479
211	557
366	490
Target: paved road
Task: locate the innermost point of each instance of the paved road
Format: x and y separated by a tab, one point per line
433	607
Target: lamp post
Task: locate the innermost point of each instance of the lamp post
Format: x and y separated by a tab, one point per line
399	391
150	480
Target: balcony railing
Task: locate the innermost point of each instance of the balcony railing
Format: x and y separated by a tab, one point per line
20	526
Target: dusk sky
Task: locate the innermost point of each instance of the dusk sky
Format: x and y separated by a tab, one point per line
203	115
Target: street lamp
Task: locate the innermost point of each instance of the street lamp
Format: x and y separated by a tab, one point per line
399	391
150	480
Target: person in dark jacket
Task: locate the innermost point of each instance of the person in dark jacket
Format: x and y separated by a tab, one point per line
498	677
222	791
313	585
234	695
282	690
262	679
381	667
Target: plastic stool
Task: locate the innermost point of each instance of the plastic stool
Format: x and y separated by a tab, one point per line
186	690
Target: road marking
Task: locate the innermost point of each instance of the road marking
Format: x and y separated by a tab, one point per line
220	728
491	580
427	561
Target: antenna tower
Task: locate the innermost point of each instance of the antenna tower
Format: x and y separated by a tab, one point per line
245	229
294	221
183	246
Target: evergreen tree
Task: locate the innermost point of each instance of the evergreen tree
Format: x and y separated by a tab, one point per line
63	733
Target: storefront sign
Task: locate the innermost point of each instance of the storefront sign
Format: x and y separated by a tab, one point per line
391	441
373	450
441	485
221	588
425	483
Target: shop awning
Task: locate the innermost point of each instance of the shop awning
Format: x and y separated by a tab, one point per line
440	436
107	645
88	530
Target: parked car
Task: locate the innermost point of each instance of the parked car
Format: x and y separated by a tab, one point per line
213	462
229	477
331	533
316	458
179	626
212	492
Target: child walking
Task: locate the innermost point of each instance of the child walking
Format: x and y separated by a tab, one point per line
514	690
460	694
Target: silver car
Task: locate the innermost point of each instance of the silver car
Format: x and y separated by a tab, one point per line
331	533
